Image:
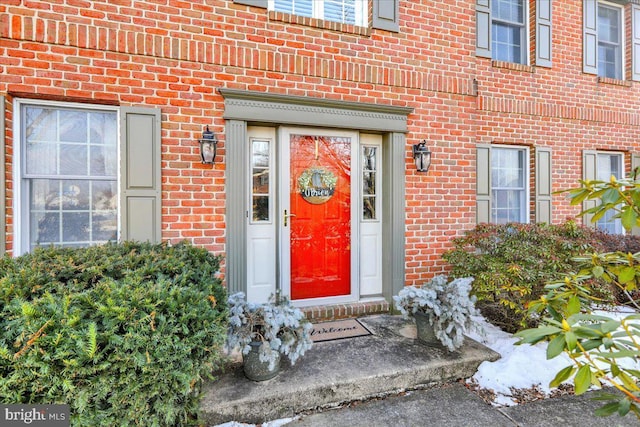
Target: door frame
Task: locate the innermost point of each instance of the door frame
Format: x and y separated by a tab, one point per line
244	108
283	202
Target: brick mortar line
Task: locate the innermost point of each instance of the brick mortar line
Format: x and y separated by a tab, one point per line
82	36
534	108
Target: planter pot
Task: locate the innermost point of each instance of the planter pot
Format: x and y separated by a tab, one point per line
257	370
425	330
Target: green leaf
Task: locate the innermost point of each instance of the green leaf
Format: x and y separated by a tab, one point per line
562	376
617	354
573	305
571	340
610	195
623	407
628	382
591	344
608	409
610	326
556	346
582	380
579	197
597	271
615	370
628	218
626	275
529	336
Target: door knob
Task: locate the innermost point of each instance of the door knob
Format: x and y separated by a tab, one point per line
286	215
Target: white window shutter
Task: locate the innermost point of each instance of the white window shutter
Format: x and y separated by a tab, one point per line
635	42
140	178
483	183
544	190
589	172
483	28
543	33
590	36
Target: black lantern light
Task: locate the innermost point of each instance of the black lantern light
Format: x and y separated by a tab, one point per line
208	147
422	156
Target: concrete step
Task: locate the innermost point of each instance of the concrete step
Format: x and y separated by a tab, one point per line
334	372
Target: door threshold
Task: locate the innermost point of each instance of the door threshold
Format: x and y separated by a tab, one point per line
347	310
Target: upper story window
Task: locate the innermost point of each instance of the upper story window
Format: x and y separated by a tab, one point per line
352	12
607	35
610	38
504	29
508	31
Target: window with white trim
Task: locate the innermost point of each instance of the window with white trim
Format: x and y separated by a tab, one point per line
608	165
352	12
509	184
370	183
509	31
261	180
610	40
68	186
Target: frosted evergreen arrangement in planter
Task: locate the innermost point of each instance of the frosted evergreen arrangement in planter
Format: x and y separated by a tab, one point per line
277	325
447	305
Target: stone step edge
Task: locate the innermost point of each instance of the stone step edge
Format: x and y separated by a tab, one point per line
336	394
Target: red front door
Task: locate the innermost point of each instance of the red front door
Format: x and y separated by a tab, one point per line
320	221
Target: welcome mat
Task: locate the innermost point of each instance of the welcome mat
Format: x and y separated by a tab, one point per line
338	329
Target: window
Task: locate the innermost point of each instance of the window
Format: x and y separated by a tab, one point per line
260	177
605	38
370	178
68	175
609	41
508	31
504	181
503	33
85	174
508	185
344	11
599	165
609	164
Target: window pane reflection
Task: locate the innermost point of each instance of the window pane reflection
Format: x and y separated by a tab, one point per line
369	182
260	175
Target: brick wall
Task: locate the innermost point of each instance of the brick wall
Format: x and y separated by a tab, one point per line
175	54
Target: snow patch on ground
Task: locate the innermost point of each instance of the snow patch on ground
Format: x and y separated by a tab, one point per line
519	367
274	423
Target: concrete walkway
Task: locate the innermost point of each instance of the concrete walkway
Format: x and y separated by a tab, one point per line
365	380
453	405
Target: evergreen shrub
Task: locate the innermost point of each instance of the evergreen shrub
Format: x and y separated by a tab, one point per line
122	333
511	264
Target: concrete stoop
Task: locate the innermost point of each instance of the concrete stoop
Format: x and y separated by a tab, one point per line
334	372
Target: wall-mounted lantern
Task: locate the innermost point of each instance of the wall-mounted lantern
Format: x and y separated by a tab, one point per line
208	147
422	156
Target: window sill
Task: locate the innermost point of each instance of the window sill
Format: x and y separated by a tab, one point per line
513	66
615	82
319	23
